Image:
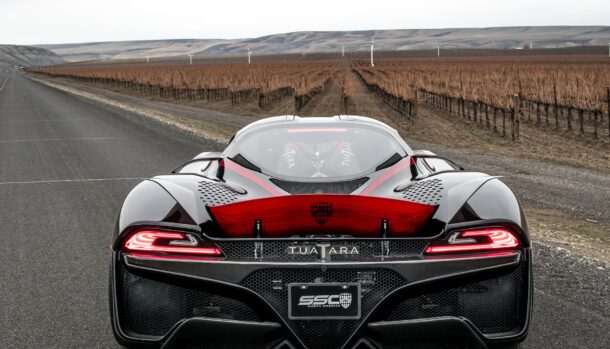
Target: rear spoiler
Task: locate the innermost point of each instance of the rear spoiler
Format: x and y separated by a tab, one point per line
322	214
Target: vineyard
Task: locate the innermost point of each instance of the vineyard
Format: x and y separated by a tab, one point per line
557	89
500	93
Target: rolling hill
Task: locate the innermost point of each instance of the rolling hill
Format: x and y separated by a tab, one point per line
27	55
315	41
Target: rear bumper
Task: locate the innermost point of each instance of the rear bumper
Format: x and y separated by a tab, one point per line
167	303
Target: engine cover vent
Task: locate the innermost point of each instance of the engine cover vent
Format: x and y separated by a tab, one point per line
342	187
214	194
425	192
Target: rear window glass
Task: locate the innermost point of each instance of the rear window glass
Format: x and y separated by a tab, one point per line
317	151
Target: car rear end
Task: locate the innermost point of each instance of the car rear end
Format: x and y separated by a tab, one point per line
173	285
321	233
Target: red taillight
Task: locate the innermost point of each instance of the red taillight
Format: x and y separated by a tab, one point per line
155	241
480	240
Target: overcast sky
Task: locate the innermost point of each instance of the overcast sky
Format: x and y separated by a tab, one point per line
68	21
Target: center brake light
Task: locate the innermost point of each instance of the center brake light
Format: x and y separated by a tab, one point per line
156	241
476	240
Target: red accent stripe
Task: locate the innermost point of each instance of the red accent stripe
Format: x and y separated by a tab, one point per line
174	257
389	173
250	176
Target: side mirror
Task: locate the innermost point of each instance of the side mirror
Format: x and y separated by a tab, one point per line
199	163
425	163
208	155
423	153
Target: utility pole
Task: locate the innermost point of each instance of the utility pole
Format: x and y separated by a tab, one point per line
249	55
372	62
191	59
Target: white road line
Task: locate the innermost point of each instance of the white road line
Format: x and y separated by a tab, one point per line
61	139
75	180
8	75
41	120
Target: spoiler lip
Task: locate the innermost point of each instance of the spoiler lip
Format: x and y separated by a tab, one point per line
322	214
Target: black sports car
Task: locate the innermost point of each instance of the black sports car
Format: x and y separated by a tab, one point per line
320	233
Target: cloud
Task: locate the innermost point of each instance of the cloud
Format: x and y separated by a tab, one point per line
63	21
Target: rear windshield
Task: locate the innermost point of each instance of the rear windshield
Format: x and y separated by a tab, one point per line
317	151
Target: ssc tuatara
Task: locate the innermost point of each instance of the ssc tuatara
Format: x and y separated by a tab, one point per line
320	233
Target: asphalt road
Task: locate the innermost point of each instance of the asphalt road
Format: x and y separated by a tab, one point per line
65	166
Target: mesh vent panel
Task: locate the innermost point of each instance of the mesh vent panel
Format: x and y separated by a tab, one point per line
493	306
214	194
150	307
425	192
343	187
271	284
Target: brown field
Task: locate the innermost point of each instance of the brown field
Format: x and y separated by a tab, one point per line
558	92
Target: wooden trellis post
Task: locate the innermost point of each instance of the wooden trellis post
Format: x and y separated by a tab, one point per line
515	118
595	124
556	109
415	106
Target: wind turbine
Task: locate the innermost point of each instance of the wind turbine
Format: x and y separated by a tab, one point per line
372	44
372	49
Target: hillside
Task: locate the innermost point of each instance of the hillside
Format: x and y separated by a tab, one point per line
27	55
501	37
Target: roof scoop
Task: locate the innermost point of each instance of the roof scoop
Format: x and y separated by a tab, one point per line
324	214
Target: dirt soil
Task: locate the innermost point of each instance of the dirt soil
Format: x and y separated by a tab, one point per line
326	103
564	182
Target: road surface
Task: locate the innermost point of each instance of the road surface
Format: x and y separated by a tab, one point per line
65	166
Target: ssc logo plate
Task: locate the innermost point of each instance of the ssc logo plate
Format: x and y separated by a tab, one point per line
324	301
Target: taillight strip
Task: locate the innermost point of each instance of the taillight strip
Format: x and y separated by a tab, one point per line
495	239
147	241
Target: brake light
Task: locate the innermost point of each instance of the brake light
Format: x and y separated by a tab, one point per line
316	130
480	240
155	241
